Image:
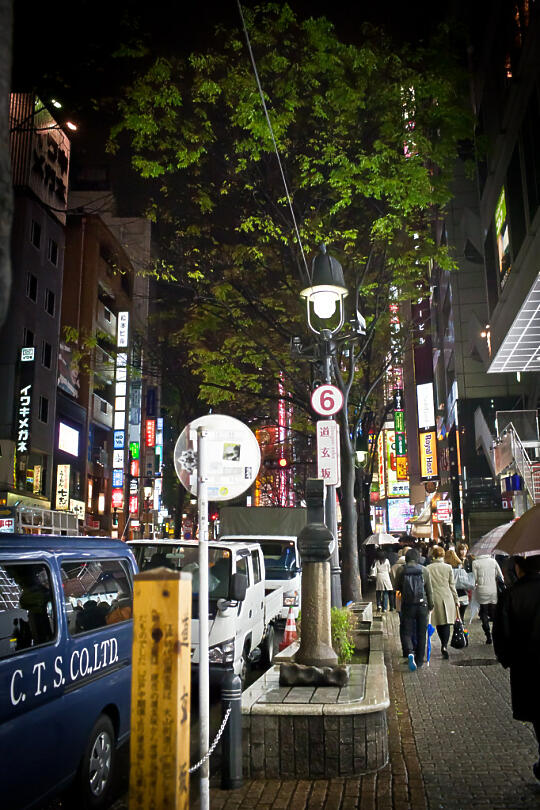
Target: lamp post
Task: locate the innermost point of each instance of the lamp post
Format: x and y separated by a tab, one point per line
327	292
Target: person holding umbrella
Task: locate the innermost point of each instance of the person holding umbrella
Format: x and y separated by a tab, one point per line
516	641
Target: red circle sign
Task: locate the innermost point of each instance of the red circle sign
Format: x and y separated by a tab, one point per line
326	400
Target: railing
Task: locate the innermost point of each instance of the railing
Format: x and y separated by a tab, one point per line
45	521
106	319
102	411
527	469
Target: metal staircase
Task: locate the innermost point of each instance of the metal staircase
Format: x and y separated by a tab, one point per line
528	469
507	454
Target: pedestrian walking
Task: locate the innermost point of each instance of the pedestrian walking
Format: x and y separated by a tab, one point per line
462	551
516	640
486	572
445	598
412	580
383	584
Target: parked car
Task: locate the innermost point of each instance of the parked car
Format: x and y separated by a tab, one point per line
65	665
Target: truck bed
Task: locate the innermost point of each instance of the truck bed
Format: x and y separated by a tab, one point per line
273	602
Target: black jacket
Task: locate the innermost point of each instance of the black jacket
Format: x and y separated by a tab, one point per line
516	640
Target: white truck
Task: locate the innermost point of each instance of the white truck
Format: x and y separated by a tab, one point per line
276	529
241	627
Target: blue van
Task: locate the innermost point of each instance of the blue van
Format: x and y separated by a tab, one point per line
65	665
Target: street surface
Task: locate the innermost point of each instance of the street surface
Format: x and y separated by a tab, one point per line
453	745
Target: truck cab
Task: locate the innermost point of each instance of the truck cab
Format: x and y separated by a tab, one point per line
240	631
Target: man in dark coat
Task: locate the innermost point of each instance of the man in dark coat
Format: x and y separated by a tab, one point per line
516	640
414	614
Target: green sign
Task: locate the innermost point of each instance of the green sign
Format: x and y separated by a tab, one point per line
399	421
401	445
134	449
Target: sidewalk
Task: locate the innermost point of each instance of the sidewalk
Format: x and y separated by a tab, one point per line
452	740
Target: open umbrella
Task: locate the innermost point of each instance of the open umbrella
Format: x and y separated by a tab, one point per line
486	544
523	537
380	539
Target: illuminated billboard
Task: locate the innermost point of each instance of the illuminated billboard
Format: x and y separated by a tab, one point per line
68	440
428	455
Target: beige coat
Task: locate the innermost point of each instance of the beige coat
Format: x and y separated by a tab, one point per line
445	598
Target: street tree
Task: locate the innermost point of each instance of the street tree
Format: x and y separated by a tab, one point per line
366	137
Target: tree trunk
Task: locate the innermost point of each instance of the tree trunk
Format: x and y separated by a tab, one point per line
6	196
351	585
362	491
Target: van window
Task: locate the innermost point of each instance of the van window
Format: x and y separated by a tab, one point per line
256	566
96	594
27	617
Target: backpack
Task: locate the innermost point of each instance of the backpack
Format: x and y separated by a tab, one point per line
412	587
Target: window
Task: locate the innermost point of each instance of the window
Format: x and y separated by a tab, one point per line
53	252
31	286
256	566
26	607
96	594
43	413
46	354
49	301
242	567
35	233
28	337
107	313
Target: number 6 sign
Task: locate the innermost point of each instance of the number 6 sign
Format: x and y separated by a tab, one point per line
326	400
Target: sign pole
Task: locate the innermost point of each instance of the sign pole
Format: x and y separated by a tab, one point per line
204	681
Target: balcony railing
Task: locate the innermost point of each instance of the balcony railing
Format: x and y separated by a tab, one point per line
102	411
106	320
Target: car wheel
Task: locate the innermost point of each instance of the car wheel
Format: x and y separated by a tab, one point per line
97	765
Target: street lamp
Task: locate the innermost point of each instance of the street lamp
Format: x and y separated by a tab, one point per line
326	293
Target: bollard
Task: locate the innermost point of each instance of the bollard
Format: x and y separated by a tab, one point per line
231	747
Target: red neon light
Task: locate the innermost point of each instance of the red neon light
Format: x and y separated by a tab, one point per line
150	432
117	499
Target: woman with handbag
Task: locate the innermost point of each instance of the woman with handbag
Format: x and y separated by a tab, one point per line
445	598
462	579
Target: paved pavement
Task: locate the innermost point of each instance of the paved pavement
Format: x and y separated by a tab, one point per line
453	744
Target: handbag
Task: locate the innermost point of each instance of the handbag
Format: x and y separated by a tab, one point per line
501	587
463	580
458	640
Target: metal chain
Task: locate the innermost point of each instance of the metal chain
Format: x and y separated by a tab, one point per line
212	747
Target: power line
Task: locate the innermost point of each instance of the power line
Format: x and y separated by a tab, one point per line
308	274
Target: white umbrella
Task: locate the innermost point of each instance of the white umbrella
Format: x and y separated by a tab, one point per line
486	544
380	539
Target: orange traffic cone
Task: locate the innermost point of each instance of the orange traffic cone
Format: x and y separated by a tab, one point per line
290	634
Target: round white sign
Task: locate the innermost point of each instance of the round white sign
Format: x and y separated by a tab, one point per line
233	456
326	400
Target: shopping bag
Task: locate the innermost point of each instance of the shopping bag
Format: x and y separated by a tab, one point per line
458	640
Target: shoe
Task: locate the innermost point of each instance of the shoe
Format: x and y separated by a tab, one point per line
444	652
536	769
412	662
